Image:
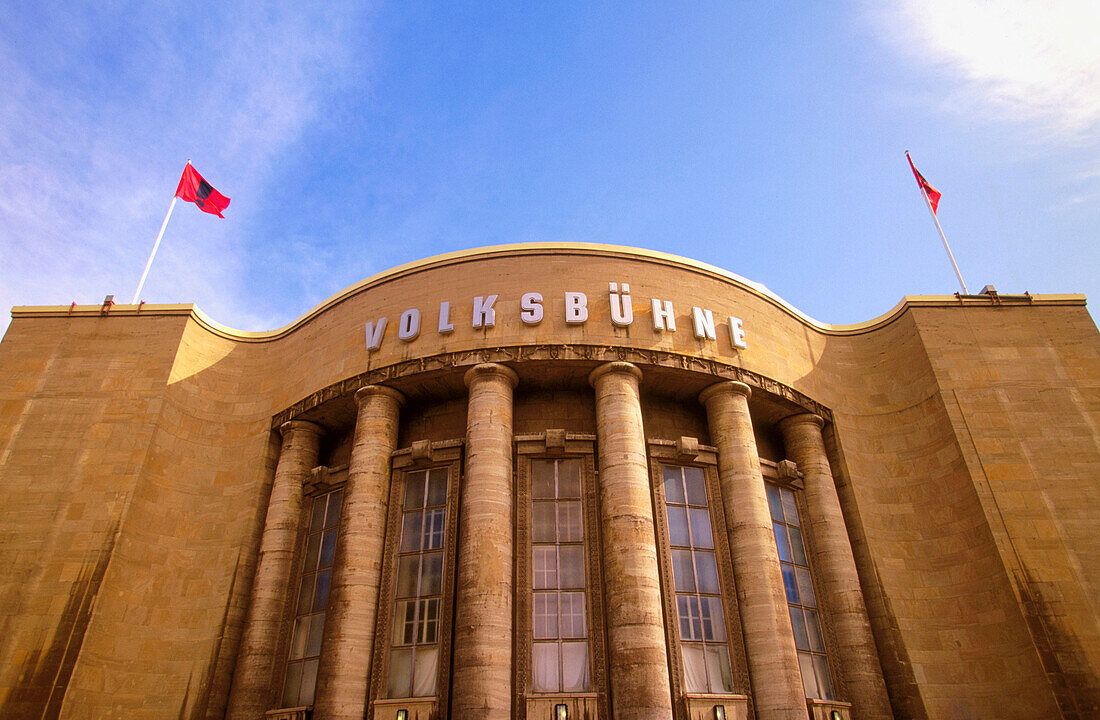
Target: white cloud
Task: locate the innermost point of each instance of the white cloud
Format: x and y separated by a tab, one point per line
1020	59
99	115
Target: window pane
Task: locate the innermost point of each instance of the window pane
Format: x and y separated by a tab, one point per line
571	566
813	630
410	531
683	612
332	516
691	624
328	547
309	682
313	553
797	550
782	543
569	478
404	622
714	625
572	615
678	526
682	573
414	490
317	516
545	667
437	487
543	522
305	594
674	485
316	630
701	536
300	637
425	670
544	571
293	681
431	579
429	621
400	680
574	666
544	615
320	594
569	522
707	572
789	582
805	587
434	526
798	624
407	568
821	670
542	479
696	487
775	502
809	679
695	671
718	669
790	509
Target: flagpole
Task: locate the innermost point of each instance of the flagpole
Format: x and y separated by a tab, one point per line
153	254
944	238
921	183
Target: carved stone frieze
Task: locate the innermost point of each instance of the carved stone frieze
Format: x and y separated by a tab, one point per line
523	353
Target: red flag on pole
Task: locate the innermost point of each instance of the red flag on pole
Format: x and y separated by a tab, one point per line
930	192
193	188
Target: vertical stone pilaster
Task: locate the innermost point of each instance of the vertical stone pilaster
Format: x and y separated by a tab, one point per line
640	688
769	642
835	568
482	676
346	652
251	693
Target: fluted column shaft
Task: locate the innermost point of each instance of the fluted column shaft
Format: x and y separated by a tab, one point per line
637	646
347	649
835	568
482	676
769	642
251	693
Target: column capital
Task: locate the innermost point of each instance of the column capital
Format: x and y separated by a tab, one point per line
485	369
614	367
801	419
297	426
368	390
730	386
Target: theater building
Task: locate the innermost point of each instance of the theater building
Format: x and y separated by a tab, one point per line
552	481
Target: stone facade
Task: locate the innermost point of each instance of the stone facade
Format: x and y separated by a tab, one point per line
502	482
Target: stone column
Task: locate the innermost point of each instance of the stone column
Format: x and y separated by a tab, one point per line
348	645
251	695
835	568
482	676
769	642
637	645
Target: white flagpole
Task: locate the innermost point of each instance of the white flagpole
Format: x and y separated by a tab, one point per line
928	202
153	254
951	255
149	263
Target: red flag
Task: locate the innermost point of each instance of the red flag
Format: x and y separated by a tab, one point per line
930	192
193	188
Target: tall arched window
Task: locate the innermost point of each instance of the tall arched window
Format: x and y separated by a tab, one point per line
801	599
309	616
699	609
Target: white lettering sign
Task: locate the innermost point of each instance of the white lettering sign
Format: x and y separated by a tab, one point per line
532	311
576	308
484	314
531	308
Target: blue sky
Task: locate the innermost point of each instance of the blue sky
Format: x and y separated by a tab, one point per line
765	138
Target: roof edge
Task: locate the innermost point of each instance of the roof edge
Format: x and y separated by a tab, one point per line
461	256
